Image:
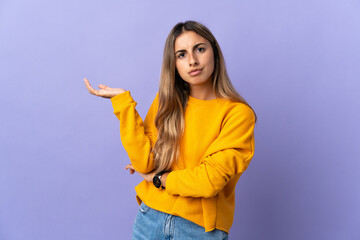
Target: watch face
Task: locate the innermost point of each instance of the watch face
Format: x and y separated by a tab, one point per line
157	181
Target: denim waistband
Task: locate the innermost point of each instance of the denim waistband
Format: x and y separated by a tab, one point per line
151	224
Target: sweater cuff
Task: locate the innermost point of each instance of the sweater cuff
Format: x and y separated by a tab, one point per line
121	100
171	183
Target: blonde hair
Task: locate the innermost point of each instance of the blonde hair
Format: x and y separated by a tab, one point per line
174	93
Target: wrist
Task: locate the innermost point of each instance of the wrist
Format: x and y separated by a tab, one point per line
163	179
121	91
151	179
159	179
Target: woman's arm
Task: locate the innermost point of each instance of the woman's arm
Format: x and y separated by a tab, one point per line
136	135
227	157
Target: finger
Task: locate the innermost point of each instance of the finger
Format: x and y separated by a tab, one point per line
129	166
89	87
131	169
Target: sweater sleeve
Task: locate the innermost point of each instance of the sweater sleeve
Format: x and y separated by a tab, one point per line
228	156
137	136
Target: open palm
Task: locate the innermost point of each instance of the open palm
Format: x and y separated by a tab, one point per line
104	91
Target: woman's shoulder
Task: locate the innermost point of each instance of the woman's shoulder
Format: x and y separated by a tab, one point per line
237	109
235	106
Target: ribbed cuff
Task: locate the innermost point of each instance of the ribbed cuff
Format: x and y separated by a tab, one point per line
171	183
121	100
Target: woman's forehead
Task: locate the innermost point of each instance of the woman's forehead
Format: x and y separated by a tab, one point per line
188	39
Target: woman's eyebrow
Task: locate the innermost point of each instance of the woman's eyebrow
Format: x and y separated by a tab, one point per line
194	47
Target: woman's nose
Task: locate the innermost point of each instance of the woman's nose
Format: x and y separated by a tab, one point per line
193	61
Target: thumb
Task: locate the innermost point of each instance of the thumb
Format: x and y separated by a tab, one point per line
102	86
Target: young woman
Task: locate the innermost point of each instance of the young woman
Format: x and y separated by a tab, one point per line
196	141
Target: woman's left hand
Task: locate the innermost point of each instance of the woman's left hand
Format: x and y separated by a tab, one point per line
148	176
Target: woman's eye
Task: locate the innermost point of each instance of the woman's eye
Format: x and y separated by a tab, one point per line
201	49
181	55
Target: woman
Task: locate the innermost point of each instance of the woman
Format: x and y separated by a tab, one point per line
196	141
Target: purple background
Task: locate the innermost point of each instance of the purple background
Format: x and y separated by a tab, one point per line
62	163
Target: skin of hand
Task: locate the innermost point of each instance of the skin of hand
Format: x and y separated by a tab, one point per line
148	176
104	91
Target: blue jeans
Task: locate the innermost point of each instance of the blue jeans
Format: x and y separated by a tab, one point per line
151	224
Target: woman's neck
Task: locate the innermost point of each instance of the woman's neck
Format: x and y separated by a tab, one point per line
202	92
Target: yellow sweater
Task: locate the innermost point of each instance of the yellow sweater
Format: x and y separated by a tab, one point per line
216	149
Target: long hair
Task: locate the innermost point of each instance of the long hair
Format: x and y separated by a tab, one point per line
174	93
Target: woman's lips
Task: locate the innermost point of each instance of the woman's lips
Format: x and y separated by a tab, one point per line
195	72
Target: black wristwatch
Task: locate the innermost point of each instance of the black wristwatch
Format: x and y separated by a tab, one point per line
157	180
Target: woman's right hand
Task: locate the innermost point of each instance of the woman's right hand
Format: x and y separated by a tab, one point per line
104	91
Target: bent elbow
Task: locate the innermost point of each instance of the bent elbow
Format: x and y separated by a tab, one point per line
210	194
211	191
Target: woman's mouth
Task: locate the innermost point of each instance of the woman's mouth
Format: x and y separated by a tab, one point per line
195	72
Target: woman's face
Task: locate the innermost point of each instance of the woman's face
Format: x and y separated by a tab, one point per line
194	58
